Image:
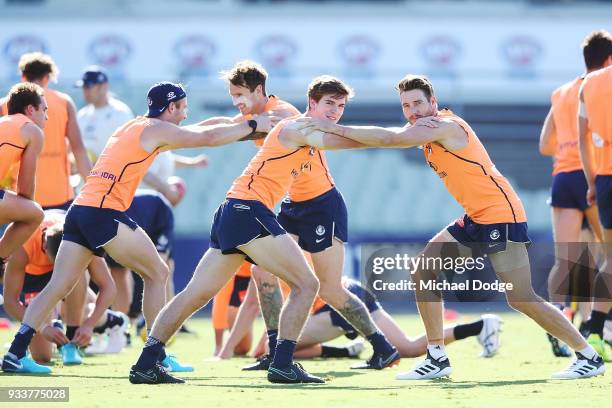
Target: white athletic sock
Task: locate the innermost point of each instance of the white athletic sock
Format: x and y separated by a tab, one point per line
437	351
588	352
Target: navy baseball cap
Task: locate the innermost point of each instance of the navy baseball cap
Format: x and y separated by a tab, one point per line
161	94
93	75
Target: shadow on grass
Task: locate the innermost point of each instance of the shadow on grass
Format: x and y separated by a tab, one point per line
445	383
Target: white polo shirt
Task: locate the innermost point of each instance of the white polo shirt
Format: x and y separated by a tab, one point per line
97	125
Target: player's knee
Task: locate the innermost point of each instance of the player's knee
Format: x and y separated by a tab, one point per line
158	273
36	213
333	295
307	285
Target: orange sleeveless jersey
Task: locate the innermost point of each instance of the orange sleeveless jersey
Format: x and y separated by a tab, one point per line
38	261
597	94
11	143
119	169
317	180
53	171
271	172
564	102
472	179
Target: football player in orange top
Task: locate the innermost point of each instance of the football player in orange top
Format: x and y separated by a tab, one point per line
21	141
53	189
595	117
97	222
494	222
315	214
559	138
246	82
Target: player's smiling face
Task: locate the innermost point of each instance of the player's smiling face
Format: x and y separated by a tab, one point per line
245	100
329	107
416	105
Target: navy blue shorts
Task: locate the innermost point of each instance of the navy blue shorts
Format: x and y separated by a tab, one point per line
237	222
64	206
603	186
317	221
1	194
241	284
487	238
93	227
35	283
569	190
368	298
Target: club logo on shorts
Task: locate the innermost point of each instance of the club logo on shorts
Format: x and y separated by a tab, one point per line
241	207
494	234
320	230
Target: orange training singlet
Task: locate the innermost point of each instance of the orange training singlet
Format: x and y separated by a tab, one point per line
597	94
269	174
53	171
38	261
11	143
564	102
119	169
472	179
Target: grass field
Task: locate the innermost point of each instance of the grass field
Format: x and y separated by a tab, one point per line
517	376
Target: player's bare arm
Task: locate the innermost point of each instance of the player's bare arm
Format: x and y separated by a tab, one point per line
585	151
14	276
292	137
169	136
73	132
548	139
423	131
27	170
100	274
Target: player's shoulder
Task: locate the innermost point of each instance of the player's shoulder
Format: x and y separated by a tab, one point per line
567	86
603	74
64	97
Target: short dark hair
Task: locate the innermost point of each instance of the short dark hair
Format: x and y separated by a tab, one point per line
53	236
248	74
328	85
411	82
22	95
34	66
596	48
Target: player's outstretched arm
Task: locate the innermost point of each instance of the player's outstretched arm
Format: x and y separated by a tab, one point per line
425	130
586	153
548	136
26	181
292	137
169	136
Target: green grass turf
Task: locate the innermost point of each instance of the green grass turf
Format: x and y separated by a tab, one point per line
517	376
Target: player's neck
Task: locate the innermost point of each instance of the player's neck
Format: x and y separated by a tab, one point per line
261	106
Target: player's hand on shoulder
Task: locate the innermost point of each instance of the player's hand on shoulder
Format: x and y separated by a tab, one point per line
429	121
